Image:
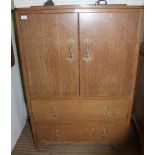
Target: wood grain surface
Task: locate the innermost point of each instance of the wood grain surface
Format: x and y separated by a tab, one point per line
70	98
45	48
78	9
82	133
25	146
113	49
69	111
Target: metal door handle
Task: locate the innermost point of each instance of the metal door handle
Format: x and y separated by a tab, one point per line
87	56
71	56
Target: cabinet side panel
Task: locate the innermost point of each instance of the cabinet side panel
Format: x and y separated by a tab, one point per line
24	73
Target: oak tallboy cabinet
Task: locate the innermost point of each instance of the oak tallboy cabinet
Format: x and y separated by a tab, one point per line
79	68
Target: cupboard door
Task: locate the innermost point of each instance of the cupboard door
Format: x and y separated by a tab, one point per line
47	40
108	52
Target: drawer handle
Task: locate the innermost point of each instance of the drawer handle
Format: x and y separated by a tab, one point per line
55	113
87	56
104	133
70	57
57	136
105	113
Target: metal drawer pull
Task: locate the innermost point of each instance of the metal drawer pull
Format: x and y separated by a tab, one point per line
105	112
70	57
56	134
87	56
55	113
104	133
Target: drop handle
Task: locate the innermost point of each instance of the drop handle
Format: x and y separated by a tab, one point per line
55	113
105	112
104	133
71	56
87	56
56	135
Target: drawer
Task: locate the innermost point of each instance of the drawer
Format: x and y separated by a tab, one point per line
100	133
79	110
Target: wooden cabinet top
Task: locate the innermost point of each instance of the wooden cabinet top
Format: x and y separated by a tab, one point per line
78	8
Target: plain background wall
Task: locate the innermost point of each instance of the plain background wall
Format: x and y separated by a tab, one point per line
18	111
26	3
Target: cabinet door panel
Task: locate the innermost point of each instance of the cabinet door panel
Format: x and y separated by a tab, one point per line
113	46
45	43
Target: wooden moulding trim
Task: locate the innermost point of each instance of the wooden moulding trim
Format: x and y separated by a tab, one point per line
78	9
110	6
85	98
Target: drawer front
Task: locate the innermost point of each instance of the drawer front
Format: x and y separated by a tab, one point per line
79	110
48	133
